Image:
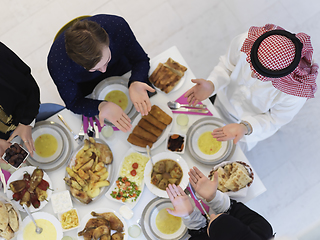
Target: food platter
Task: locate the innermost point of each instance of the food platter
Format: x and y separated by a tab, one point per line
161	156
42	215
148	224
18	175
109	168
153	65
88	216
114	83
65	144
163	135
201	126
114	185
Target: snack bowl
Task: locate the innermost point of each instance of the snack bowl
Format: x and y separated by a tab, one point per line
69	219
9	154
61	201
176	143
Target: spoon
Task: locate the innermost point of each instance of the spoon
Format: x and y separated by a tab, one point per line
176	105
149	154
38	229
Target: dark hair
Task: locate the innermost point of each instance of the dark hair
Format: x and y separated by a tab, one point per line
84	41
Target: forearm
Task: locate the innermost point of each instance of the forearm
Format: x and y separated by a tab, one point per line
84	106
220	203
195	220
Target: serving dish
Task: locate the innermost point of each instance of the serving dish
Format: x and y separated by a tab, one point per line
88	216
49	164
163	135
18	175
161	156
112	188
183	145
60	220
203	125
148	224
42	215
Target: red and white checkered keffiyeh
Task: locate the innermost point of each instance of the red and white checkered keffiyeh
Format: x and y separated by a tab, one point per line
277	52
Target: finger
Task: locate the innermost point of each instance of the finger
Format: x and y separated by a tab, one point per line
195	81
217	130
218	134
236	139
144	108
136	106
127	122
176	189
216	177
188	93
170	211
192	174
11	137
196	102
101	121
169	193
174	194
199	173
182	193
148	105
124	125
150	89
119	126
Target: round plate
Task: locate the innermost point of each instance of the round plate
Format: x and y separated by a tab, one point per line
153	67
107	84
18	175
57	135
163	135
88	216
66	151
161	156
110	169
148	223
42	215
203	125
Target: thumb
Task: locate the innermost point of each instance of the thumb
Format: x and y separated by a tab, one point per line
150	89
11	137
236	139
170	211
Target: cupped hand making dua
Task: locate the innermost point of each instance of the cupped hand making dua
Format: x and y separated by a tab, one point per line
201	91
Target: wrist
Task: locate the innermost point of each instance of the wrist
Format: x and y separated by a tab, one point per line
247	126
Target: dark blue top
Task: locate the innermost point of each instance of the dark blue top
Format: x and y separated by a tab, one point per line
74	82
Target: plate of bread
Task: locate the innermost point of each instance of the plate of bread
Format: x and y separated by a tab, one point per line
151	129
167	75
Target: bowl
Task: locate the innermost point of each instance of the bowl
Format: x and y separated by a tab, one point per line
176	143
10	152
61	201
75	217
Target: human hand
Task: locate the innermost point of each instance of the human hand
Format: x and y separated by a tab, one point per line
139	96
233	131
202	185
201	91
24	132
3	147
180	201
114	114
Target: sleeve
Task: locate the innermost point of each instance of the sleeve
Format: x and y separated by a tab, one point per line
220	203
220	76
29	110
195	220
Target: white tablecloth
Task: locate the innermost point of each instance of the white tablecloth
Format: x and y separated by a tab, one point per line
120	146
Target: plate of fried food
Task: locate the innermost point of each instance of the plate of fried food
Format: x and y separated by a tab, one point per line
30	186
167	75
89	170
10	219
103	223
128	187
151	129
169	168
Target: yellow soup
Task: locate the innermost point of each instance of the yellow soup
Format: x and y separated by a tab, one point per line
46	145
49	232
118	97
167	223
207	144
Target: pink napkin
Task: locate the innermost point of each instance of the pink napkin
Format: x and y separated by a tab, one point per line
6	174
183	100
206	207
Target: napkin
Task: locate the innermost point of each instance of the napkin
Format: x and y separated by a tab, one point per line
206	207
184	100
85	123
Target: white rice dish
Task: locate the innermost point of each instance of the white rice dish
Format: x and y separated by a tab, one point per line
127	167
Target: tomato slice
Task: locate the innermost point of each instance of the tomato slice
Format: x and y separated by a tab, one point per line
135	165
133	172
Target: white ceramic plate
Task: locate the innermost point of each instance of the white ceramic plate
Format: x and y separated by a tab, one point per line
18	175
195	146
48	130
87	217
42	215
154	65
164	134
114	185
119	87
161	156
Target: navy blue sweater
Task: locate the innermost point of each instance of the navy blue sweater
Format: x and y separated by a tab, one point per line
74	82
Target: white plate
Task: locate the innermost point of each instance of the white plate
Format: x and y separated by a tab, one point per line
148	224
163	135
161	156
119	87
18	175
88	216
114	185
109	169
42	215
154	65
48	130
195	146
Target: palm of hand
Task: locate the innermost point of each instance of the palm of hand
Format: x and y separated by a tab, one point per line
182	206
206	188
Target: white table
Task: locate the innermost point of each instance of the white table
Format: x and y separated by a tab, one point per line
119	146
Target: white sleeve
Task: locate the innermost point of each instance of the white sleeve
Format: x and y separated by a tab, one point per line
220	76
220	203
195	220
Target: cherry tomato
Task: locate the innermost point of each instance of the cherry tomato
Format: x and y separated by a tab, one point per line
135	165
133	172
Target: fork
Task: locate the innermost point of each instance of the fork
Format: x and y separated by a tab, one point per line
75	136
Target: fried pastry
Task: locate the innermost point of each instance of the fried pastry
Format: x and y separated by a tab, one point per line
151	119
135	140
159	114
149	127
179	69
140	132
